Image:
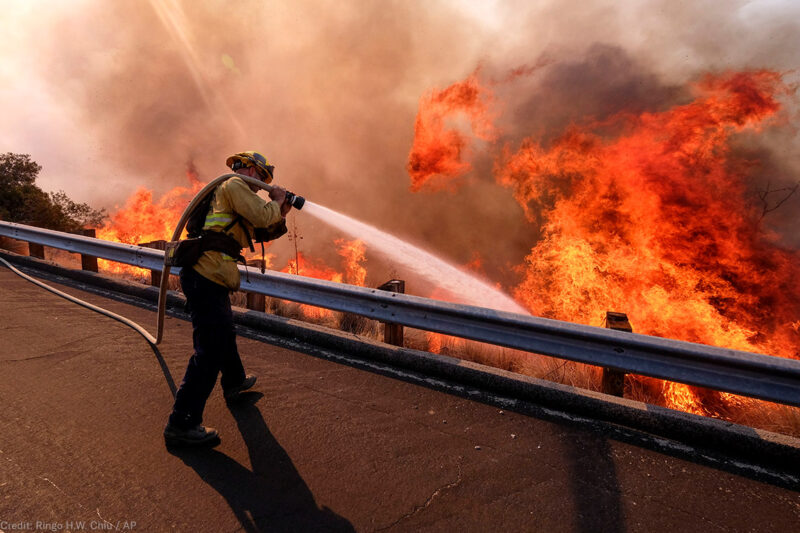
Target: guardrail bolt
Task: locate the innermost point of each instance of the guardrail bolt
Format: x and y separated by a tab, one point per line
255	301
155	275
89	262
393	333
613	381
35	250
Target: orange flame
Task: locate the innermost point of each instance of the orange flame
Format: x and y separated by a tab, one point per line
353	254
476	264
655	221
142	220
434	342
437	155
311	268
648	214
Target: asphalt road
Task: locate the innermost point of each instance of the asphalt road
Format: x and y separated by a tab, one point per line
320	446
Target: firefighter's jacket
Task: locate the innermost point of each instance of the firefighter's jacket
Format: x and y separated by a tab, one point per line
231	198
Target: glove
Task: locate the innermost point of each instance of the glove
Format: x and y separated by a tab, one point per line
270	233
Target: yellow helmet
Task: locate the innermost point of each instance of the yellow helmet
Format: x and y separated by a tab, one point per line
251	159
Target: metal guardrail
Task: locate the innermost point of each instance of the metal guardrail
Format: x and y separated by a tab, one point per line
114	251
760	376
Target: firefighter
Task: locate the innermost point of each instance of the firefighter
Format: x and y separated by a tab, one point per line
235	211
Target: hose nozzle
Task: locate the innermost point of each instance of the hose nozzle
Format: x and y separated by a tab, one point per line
295	200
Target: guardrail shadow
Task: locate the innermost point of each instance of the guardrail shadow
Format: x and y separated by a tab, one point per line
594	485
271	497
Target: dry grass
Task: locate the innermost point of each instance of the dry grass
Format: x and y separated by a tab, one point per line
359	325
774	417
481	353
238	299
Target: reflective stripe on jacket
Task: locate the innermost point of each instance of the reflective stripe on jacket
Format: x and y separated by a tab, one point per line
233	198
218	220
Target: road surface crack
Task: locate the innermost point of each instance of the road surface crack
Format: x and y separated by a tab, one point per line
428	502
106	523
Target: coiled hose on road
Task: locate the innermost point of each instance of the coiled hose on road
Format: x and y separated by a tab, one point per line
162	289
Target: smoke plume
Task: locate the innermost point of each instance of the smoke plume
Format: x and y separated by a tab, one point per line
330	92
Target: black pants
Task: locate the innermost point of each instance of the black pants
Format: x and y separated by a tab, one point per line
215	350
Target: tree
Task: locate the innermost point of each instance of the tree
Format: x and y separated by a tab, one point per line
82	214
23	202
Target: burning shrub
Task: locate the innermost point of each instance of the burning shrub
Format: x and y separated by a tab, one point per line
649	213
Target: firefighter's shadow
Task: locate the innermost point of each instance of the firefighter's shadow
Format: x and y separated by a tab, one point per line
271	497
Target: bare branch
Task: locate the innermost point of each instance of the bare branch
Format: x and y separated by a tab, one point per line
790	191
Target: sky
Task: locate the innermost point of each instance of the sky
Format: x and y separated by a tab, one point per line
112	96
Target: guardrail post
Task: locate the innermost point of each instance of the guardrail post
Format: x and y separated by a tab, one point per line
256	301
613	381
155	275
393	333
89	262
35	250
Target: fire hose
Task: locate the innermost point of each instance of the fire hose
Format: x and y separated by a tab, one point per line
296	201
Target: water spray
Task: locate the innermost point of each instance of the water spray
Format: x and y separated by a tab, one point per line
463	287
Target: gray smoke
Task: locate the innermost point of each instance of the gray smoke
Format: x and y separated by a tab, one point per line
329	91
